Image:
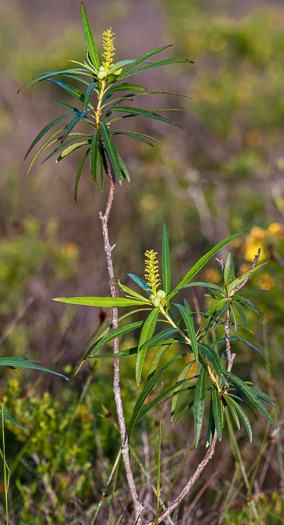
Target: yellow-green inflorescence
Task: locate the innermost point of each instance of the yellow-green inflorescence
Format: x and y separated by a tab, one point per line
108	54
152	277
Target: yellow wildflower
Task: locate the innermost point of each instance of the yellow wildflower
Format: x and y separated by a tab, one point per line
275	230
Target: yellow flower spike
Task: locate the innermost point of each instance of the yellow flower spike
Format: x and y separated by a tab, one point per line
109	49
152	271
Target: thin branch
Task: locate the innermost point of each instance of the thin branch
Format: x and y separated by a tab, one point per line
209	454
116	375
256	258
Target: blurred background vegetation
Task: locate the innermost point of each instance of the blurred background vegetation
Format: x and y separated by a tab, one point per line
221	174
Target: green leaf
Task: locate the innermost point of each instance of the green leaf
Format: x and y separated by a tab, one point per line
212	356
241	313
123	353
181	376
147	390
10	419
160	397
252	396
143	59
17	362
140	282
124	86
132	293
144	113
69	88
166	263
88	94
45	130
158	64
236	410
124	169
94	157
100	167
146	333
211	425
138	136
188	321
242	278
101	341
199	405
206	285
73	147
217	412
200	263
104	302
48	142
156	360
159	338
227	269
89	38
79	172
111	151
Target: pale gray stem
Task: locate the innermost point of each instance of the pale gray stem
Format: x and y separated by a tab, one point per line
116	375
209	454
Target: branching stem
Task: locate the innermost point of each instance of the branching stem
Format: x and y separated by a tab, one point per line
116	373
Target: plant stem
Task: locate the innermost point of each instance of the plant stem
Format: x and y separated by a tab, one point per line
209	454
116	373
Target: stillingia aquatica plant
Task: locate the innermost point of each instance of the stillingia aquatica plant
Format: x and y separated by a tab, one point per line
205	345
101	99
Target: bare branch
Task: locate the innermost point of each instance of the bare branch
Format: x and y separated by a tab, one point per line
116	374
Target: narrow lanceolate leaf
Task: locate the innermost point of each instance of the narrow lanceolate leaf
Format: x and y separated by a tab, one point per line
124	169
210	286
227	269
94	157
156	360
243	277
182	375
104	302
146	333
110	149
160	338
241	313
89	38
162	396
140	282
79	173
124	86
188	321
212	356
19	362
138	136
252	396
158	64
10	419
147	390
201	262
45	130
100	166
143	59
75	92
47	143
132	293
236	410
217	411
88	94
73	147
97	345
199	405
211	425
144	113
166	263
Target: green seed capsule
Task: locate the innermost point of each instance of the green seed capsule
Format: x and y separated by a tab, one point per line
101	68
156	302
101	75
161	294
